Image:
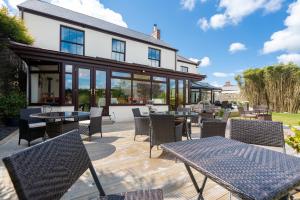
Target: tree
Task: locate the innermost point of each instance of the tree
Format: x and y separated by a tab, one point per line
13	28
277	86
12	69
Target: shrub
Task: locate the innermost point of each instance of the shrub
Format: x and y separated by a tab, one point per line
11	104
294	141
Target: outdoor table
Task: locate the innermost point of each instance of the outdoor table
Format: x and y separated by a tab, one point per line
58	123
184	115
247	171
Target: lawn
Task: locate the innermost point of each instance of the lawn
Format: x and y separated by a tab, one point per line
287	118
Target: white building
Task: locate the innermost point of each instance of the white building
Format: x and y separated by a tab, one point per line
80	61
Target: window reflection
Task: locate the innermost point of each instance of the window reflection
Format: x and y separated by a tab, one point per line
180	92
120	91
141	92
72	40
101	88
159	93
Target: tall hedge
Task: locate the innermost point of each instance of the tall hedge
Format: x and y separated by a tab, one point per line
277	86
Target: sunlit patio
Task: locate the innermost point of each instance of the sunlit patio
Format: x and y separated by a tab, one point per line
122	164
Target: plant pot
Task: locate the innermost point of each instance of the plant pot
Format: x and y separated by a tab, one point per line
11	121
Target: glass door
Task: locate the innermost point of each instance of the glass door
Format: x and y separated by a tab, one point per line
173	94
100	90
84	89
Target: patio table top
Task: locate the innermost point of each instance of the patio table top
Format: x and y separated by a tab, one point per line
248	171
60	115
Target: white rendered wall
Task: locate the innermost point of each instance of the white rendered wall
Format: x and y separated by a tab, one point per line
124	113
46	33
192	68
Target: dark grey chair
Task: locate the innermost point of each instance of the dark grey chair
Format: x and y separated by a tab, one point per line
266	133
54	166
31	128
164	130
94	124
142	123
185	122
212	128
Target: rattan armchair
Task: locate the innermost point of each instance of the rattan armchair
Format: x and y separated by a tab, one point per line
266	133
31	128
54	166
94	124
164	130
142	123
212	128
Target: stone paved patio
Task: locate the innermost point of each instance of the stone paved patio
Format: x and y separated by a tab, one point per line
122	165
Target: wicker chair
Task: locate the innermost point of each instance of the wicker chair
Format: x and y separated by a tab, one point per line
142	123
54	166
31	128
164	130
212	128
266	133
186	123
93	125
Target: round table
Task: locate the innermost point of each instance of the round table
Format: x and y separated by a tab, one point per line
184	115
58	123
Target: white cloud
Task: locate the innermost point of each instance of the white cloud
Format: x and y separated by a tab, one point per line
236	10
222	75
92	8
237	46
188	4
286	58
204	62
287	39
218	21
203	23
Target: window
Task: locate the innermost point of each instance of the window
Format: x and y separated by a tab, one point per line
187	91
121	88
71	40
154	57
184	69
120	91
141	76
100	88
141	92
44	84
118	50
180	92
159	93
156	78
172	94
68	84
121	74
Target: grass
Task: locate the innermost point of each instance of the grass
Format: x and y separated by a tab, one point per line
287	118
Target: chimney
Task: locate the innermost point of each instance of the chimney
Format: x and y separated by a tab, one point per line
156	32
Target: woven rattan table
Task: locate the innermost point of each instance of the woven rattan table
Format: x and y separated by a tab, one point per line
247	171
58	123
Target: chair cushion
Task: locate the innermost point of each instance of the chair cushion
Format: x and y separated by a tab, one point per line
136	195
36	125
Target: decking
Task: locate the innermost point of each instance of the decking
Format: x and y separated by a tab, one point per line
123	165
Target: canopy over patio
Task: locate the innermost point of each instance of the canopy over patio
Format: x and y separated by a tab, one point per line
202	91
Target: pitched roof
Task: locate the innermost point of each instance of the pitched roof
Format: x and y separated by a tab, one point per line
186	60
45	8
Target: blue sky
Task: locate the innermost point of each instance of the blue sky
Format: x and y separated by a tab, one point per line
259	32
179	28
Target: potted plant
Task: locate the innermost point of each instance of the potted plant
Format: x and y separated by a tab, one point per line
294	141
10	106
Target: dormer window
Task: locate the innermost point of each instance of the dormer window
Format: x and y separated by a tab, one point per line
118	50
71	40
154	57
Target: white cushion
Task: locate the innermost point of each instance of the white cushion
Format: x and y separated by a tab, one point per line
38	124
84	122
